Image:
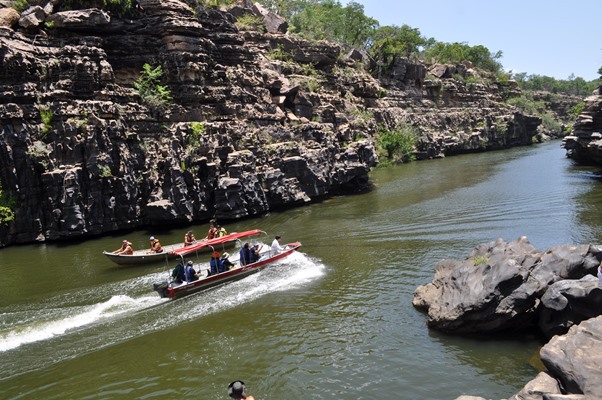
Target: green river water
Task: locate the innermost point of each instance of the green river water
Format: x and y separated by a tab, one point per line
333	322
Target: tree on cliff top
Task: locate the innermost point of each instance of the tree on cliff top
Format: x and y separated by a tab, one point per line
329	20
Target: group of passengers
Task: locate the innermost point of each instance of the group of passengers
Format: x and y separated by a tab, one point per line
219	263
127	249
215	231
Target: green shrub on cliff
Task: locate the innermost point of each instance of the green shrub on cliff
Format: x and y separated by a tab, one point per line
397	145
156	96
46	118
197	128
20	5
7	204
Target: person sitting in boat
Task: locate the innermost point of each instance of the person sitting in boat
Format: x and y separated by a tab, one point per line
214	263
155	245
189	238
178	274
126	248
224	263
221	231
245	254
255	256
276	248
213	232
190	274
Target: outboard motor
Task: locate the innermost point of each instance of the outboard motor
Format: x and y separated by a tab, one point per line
161	288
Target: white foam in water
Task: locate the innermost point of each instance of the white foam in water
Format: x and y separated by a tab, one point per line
38	331
294	271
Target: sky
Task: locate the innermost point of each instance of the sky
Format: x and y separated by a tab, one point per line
554	38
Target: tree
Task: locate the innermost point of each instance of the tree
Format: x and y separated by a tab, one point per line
329	20
456	53
392	41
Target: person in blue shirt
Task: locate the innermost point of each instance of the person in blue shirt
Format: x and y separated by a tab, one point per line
214	263
191	274
255	256
225	263
245	255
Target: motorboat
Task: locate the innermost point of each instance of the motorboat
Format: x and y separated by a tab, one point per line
173	251
268	257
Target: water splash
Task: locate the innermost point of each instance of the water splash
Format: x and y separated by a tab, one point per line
64	315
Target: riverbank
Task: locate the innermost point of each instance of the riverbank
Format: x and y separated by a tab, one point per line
513	287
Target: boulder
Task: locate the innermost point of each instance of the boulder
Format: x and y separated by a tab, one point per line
32	17
567	303
500	286
9	17
574	359
80	19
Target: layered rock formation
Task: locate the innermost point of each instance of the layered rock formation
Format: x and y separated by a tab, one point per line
514	287
584	144
257	120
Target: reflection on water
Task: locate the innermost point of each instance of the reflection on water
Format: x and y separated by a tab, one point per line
335	321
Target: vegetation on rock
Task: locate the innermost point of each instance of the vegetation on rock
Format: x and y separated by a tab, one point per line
7	204
397	145
156	96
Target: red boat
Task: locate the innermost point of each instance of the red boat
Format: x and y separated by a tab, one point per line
173	251
173	290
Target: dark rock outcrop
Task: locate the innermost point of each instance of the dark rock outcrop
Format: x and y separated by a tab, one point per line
584	144
501	286
512	286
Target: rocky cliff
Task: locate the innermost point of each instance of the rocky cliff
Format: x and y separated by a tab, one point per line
258	119
584	144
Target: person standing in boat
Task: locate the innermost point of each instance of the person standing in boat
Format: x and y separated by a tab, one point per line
155	245
190	274
214	263
126	248
276	248
238	390
189	238
245	255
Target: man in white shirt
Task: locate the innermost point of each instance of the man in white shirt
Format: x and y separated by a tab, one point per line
276	248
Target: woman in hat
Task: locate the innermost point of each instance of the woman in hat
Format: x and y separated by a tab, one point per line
190	274
225	264
238	390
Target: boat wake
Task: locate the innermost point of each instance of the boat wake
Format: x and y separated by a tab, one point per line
27	327
76	323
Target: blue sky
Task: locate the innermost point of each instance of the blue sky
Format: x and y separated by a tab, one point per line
555	38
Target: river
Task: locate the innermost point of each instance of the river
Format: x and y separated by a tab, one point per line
333	321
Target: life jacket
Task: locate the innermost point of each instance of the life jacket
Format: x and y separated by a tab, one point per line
157	246
214	266
190	274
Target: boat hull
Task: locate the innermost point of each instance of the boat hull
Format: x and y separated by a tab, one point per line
172	291
173	251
